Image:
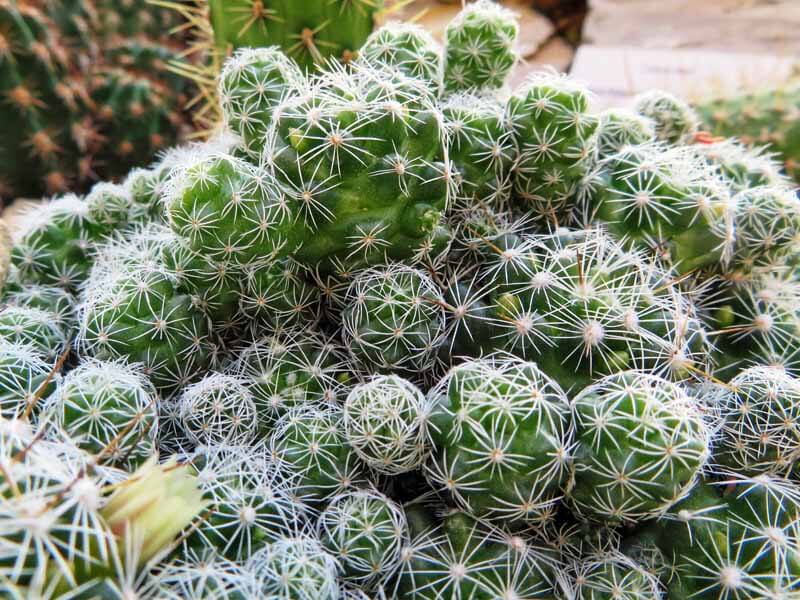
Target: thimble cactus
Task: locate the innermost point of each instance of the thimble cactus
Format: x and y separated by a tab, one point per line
35	327
759	432
309	443
366	532
291	368
501	436
296	567
363	157
554	132
26	378
393	319
667	201
109	409
479	51
407	47
735	537
675	121
253	82
386	424
481	148
230	210
218	409
619	128
640	446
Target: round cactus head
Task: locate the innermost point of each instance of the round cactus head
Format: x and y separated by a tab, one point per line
385	422
667	201
109	409
296	567
393	320
619	128
759	432
309	443
219	409
737	536
641	443
479	51
465	558
364	158
487	418
366	532
554	132
252	503
407	47
675	121
253	82
230	210
26	378
611	576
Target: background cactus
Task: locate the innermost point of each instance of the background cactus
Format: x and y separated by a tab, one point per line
76	83
766	118
109	409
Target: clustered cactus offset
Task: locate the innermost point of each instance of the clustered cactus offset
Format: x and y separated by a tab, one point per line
401	332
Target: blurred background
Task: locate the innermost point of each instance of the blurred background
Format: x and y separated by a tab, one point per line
696	48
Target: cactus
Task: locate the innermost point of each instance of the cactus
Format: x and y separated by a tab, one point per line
136	311
218	409
278	295
555	136
229	210
74	527
252	504
371	185
767	118
55	301
581	306
619	128
501	440
203	575
296	567
767	221
758	434
310	33
253	82
675	121
310	444
25	378
34	327
665	200
55	242
366	532
481	147
479	51
386	424
407	47
393	320
611	576
757	322
464	558
641	444
738	537
75	87
110	411
292	368
740	167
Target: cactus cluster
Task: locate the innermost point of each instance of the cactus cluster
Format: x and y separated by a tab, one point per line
398	333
